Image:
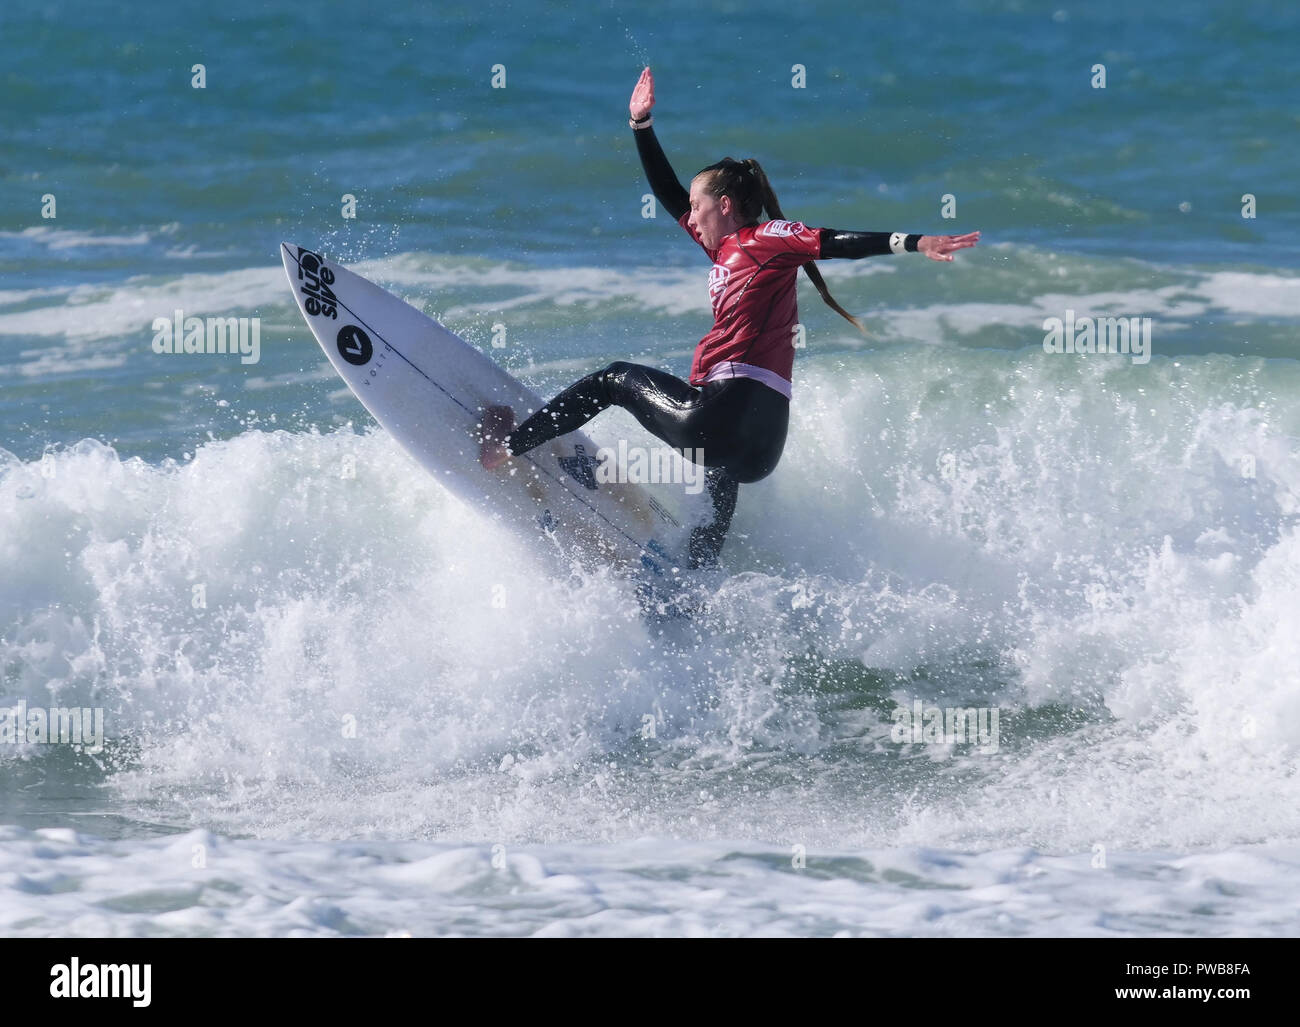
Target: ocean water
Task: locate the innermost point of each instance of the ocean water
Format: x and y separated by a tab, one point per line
344	704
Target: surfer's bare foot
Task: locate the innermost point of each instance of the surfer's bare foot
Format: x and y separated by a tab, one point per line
498	422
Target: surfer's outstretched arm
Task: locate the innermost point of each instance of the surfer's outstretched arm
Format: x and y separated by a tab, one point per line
670	193
852	245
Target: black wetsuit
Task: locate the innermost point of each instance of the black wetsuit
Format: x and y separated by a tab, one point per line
739	423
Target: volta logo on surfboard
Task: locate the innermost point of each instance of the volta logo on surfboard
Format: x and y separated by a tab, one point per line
354	345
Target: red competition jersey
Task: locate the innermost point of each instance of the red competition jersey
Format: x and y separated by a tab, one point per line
752	288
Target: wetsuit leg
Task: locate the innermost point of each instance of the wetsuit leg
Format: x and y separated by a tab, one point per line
661	402
738	424
706	540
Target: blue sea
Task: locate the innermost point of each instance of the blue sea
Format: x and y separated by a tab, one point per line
347	704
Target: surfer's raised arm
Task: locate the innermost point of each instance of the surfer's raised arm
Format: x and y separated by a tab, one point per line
670	193
835	243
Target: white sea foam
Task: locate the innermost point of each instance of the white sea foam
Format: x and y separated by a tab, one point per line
303	636
1029	535
199	884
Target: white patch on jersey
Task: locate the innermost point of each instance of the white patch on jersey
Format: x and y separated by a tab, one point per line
718	275
778	229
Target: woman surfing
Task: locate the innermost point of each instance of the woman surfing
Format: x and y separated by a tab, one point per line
735	409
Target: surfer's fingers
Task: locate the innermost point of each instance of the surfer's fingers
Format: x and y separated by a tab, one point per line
940	248
948	243
643	96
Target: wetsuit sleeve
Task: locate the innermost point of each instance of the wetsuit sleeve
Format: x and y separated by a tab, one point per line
663	182
836	243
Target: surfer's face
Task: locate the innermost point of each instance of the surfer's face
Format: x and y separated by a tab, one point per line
713	217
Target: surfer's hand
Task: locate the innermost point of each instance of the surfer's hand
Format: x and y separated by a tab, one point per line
941	247
643	96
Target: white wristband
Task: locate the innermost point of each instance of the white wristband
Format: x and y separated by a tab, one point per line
642	124
896	242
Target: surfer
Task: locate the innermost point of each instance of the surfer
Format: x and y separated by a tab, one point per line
736	406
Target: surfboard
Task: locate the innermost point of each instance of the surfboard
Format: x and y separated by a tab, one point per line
429	389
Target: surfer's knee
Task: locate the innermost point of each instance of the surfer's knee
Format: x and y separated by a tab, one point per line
746	477
613	379
754	465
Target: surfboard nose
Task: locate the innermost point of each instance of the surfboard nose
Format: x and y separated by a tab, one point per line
289	254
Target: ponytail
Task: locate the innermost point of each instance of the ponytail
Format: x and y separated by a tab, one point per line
746	183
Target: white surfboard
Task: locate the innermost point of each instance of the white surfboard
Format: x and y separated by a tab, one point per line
429	389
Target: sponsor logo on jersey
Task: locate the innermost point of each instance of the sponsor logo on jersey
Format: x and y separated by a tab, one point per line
318	297
581	467
780	229
718	276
